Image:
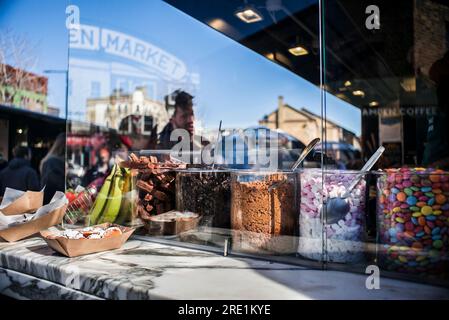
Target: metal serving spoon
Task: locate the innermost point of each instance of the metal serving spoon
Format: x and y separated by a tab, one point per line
301	158
336	208
305	152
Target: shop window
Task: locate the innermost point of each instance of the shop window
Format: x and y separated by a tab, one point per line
95	89
148	124
235	68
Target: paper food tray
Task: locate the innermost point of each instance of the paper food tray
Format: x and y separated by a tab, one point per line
25	202
24	230
79	247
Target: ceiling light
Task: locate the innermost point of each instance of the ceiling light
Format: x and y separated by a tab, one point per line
409	84
270	55
298	50
248	14
358	93
218	24
348	83
373	104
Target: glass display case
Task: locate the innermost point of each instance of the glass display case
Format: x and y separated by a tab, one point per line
203	107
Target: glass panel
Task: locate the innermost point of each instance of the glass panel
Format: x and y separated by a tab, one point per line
388	63
239	78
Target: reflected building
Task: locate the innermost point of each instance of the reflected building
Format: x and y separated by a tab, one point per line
111	110
305	125
23	89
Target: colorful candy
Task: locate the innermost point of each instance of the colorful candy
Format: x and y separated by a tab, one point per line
426	210
411	200
440	198
413	219
401	196
422	221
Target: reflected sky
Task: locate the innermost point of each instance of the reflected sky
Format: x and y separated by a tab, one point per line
235	85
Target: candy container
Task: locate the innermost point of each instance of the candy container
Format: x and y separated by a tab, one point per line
154	181
263	212
207	193
344	240
413	220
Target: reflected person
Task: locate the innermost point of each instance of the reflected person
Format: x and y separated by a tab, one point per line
52	168
19	174
183	118
436	152
101	169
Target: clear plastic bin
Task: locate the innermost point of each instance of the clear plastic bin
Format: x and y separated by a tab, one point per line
413	220
206	192
263	212
344	240
154	182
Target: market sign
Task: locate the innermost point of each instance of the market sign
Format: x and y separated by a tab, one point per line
120	44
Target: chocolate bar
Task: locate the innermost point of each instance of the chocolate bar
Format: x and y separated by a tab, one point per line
144	186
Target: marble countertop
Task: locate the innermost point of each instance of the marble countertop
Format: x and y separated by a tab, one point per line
147	270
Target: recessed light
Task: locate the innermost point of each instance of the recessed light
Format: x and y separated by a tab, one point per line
270	55
218	24
298	51
249	14
348	83
358	93
408	84
373	104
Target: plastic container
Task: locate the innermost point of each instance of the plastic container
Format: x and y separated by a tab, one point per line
413	220
154	179
207	193
78	209
263	212
344	240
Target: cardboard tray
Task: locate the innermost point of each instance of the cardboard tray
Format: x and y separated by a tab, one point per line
30	201
78	247
24	230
